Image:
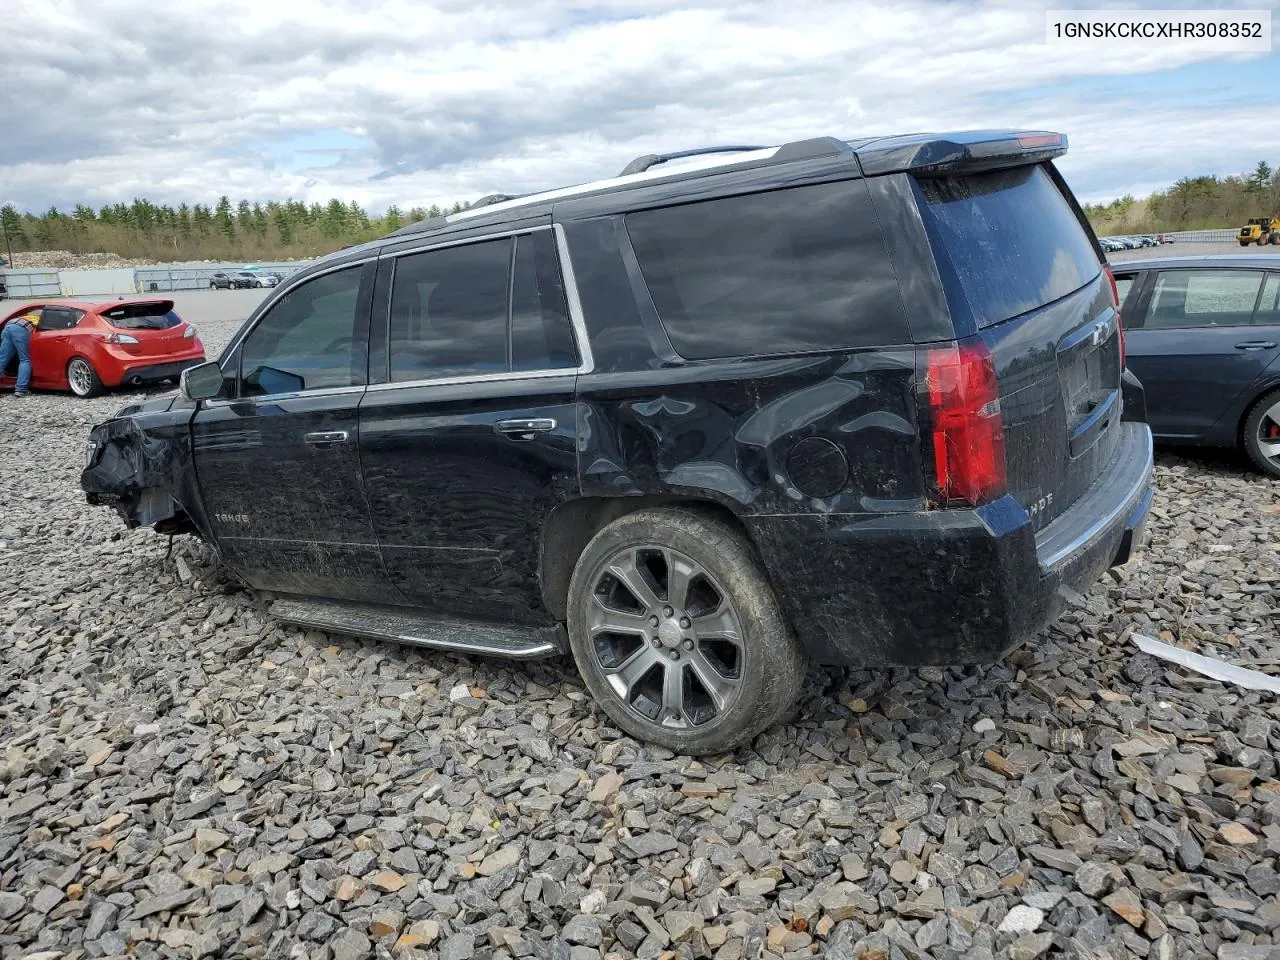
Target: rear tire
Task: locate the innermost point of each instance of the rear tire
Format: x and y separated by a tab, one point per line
1261	433
720	666
82	378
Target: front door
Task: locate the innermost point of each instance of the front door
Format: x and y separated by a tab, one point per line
278	462
470	443
1197	347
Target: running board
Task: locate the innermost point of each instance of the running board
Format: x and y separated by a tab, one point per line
406	626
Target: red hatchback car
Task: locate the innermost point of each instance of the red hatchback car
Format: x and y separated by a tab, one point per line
87	347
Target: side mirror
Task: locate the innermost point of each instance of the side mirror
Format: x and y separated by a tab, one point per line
201	382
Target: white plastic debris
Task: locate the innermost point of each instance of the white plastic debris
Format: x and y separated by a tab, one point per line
1208	666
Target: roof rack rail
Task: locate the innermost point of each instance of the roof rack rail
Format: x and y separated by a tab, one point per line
491	198
641	164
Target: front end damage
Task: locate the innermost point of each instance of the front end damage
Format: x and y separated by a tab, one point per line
139	464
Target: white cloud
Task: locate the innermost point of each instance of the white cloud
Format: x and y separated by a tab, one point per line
110	100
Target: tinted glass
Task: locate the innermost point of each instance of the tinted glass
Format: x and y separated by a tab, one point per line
541	336
141	316
1012	237
1123	285
782	272
1269	305
59	318
449	312
307	340
1203	298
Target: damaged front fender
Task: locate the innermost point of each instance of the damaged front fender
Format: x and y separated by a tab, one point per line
139	463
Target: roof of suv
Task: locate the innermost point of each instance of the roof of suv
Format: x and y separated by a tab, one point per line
918	152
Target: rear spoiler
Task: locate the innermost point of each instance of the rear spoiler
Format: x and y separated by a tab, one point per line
125	306
931	155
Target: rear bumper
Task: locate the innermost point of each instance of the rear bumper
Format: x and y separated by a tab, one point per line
154	372
950	586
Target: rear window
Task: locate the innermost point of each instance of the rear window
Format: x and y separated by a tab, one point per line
141	316
1012	237
789	271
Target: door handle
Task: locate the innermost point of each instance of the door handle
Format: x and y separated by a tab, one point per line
326	438
525	429
1256	345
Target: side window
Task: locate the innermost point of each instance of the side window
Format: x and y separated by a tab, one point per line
541	335
1124	283
1269	305
1203	298
308	339
449	311
780	272
59	318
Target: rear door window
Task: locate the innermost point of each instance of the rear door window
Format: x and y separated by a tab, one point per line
1203	298
449	312
59	318
1269	304
789	271
541	335
1012	238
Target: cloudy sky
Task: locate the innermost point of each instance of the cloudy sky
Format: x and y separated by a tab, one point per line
408	102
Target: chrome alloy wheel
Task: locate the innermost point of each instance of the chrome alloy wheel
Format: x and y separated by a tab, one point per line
80	376
666	637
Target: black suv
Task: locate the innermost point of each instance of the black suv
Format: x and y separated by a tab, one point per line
851	402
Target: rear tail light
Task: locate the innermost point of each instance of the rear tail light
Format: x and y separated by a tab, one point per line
188	333
1115	302
120	338
967	428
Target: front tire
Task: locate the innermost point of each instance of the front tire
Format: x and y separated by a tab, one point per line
1261	433
677	633
82	378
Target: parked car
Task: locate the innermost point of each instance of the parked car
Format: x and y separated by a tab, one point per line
1111	244
1164	238
261	277
254	278
692	425
227	281
89	347
1204	339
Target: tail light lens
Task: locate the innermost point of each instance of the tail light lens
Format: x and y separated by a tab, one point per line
967	427
120	338
1115	302
188	333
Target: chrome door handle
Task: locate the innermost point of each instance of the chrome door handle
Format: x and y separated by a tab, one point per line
326	438
525	429
1256	345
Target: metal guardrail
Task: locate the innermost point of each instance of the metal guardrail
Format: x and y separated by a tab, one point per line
193	276
1203	236
30	284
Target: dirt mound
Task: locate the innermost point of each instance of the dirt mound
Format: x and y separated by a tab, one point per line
66	260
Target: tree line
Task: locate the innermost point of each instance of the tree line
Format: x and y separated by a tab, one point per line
1193	203
292	230
224	231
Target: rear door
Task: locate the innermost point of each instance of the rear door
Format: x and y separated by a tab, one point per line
470	442
1022	274
1193	343
278	462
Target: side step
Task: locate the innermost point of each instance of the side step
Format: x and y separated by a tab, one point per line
406	626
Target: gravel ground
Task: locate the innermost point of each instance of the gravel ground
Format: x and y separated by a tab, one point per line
180	777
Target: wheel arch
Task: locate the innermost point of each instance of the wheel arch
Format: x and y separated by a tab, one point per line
1255	395
569	528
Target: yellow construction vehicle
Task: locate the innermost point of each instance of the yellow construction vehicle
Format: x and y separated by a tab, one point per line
1260	230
